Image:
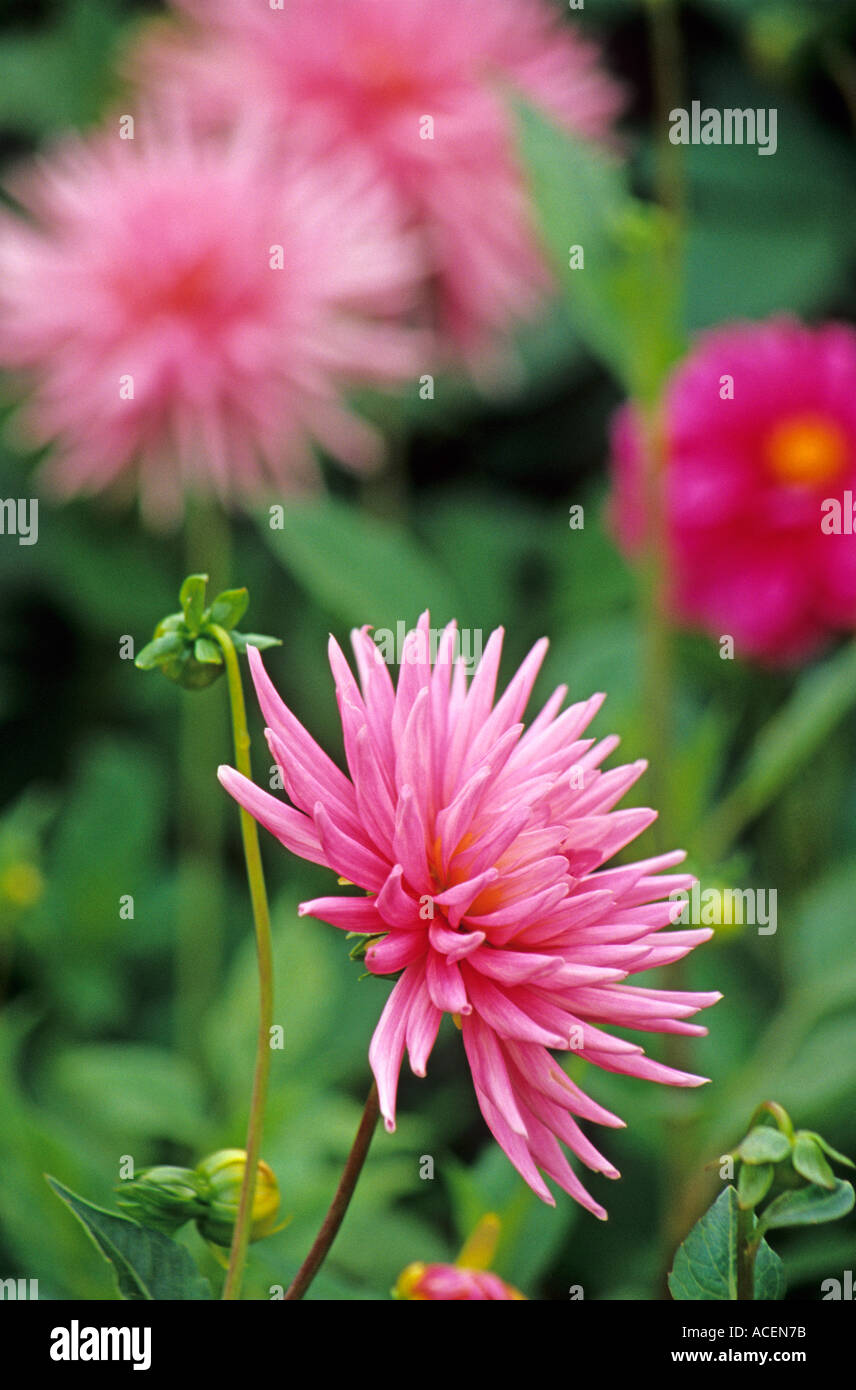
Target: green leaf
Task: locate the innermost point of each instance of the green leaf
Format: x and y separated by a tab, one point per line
705	1267
810	1163
192	598
357	568
809	1206
154	653
764	1144
148	1265
242	640
228	608
753	1184
204	649
624	298
828	1149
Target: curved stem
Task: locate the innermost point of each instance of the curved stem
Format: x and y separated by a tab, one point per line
261	919
339	1205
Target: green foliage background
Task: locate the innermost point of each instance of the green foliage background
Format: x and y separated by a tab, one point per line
96	1059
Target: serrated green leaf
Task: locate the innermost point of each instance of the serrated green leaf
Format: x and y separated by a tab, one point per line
192	598
159	650
229	607
810	1163
206	650
809	1206
753	1184
242	640
764	1144
148	1265
705	1267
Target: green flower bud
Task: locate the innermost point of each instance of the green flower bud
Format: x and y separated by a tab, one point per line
222	1177
163	1198
185	646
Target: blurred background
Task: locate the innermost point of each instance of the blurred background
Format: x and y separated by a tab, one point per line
134	1035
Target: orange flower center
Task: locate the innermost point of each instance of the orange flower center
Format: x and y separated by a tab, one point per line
806	450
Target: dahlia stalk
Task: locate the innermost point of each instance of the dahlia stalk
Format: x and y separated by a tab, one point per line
193	648
481	849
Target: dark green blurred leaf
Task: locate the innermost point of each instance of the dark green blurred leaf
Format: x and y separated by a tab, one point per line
358	568
625	297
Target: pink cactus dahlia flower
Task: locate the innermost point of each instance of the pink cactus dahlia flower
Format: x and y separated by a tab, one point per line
421	1283
418	86
481	848
187	321
760	433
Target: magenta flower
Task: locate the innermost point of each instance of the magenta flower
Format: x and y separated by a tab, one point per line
186	321
421	1283
760	431
468	1280
481	850
419	86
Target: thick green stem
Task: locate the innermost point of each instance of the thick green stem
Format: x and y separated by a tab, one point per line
261	919
747	1249
340	1203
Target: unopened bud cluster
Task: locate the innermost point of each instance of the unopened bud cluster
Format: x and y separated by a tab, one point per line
775	1158
166	1197
186	645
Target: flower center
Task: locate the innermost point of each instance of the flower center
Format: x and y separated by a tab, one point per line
806	450
383	75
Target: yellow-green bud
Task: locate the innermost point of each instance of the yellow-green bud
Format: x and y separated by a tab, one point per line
222	1175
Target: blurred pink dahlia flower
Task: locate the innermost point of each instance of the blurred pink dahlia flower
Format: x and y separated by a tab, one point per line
186	321
481	850
421	1283
760	439
468	1280
418	85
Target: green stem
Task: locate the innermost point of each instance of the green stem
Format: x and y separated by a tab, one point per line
339	1205
658	674
200	910
747	1249
667	68
261	919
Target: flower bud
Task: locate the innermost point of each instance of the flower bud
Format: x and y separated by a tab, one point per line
421	1283
222	1175
467	1280
163	1198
